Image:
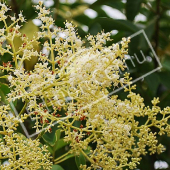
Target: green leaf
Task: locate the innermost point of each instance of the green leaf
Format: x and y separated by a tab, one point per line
53	140
97	3
2	138
4	90
166	63
109	24
132	8
50	138
58	134
149	30
57	167
4	77
165	78
165	3
50	148
100	12
80	160
114	4
60	143
83	19
95	28
153	82
54	167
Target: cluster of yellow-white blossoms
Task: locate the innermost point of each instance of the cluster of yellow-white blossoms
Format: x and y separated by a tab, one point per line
23	153
70	85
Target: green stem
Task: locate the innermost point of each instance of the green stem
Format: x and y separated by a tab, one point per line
57	159
3	133
60	161
89	159
3	157
23	109
12	44
52	52
55	84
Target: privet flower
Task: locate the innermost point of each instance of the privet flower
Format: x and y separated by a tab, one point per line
20	152
23	153
9	122
76	79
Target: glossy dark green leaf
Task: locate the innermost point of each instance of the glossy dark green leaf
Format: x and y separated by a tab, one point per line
165	78
57	167
95	28
53	140
149	31
83	19
54	167
109	24
100	12
132	8
50	148
114	4
165	4
2	138
166	63
96	3
4	90
80	160
50	138
60	143
153	82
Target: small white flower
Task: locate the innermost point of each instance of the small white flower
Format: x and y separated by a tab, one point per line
10	78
